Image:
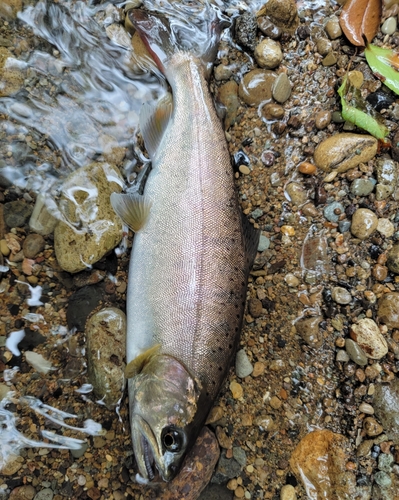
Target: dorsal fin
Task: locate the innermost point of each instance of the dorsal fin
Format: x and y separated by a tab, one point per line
153	122
132	208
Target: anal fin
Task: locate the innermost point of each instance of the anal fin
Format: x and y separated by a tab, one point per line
132	208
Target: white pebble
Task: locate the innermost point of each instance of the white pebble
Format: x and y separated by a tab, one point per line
389	26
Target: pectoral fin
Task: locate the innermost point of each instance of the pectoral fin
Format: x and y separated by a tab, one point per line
136	365
133	209
153	122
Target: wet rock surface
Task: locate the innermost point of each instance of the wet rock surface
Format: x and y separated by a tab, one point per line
320	342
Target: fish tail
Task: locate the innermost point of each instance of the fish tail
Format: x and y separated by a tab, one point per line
163	37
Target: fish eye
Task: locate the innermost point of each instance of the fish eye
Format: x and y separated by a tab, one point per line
172	439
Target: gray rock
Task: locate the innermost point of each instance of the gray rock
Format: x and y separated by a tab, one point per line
240	455
32	245
79	452
342	356
387	172
81	304
385	462
386	407
341	295
393	259
216	492
17	213
389	26
333	211
264	243
355	353
344	226
245	30
46	493
362	187
382	479
244	367
226	469
106	336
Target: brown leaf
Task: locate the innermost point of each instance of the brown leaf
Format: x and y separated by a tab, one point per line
361	17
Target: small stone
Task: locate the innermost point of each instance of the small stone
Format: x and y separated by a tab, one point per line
245	30
256	86
42	221
329	60
333	28
243	365
386	407
355	353
244	169
366	408
385	227
368	336
322	119
393	259
308	329
283	13
26	492
342	356
342	152
4	249
333	211
268	54
385	462
356	78
323	46
388	309
268	28
264	243
32	245
372	427
382	192
296	193
364	223
17	213
255	307
272	111
224	441
291	280
281	89
259	369
341	295
222	72
228	96
38	362
387	172
389	26
236	390
382	479
380	273
307	168
275	403
44	494
362	187
288	492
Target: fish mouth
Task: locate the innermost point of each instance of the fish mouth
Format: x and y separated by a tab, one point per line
145	448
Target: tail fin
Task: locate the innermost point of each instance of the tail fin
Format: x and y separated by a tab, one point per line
163	37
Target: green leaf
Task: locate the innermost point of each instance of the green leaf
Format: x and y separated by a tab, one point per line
385	64
359	112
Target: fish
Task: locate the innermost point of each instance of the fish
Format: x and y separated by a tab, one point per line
190	259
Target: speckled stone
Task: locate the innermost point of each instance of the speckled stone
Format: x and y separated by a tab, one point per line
388	309
355	353
387	171
106	334
32	245
362	187
296	193
85	204
243	365
382	191
308	329
364	223
368	336
333	211
341	152
386	407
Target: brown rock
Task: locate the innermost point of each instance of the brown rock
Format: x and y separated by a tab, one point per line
372	427
228	96
283	13
256	86
223	439
26	492
255	307
308	329
196	471
388	309
32	245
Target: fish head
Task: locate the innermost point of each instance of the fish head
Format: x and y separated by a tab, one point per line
165	417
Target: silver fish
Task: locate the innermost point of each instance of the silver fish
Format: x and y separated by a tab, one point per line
190	260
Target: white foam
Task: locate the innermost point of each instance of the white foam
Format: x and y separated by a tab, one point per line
13	340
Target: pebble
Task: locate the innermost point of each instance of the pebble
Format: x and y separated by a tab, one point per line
389	26
333	28
17	213
296	193
81	304
244	170
372	427
385	462
307	168
317	460
356	78
105	334
44	494
380	273
364	223
268	28
366	408
368	336
341	295
362	187
222	72
308	329
342	152
388	309
228	96
281	89
386	407
272	111
342	356
268	54
259	369
245	30
382	191
26	492
32	245
287	492
236	390
264	243
329	60
42	221
333	211
387	172
38	362
256	86
322	119
323	46
382	479
227	468
385	227
393	259
255	307
76	250
243	365
355	353
223	440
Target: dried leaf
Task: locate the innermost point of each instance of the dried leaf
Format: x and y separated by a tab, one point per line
359	19
359	112
385	64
